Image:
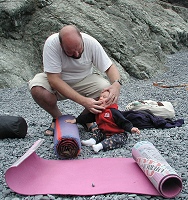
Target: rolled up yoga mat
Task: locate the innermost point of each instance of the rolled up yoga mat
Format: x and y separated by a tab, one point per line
67	143
33	175
159	172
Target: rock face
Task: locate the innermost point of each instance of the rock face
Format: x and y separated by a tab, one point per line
178	2
136	34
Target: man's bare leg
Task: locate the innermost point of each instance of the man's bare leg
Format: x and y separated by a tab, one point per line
48	102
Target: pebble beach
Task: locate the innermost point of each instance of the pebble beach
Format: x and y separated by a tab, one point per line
172	143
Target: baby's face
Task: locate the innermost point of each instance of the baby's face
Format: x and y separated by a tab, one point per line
103	98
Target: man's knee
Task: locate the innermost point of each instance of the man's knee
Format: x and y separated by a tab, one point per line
103	85
40	80
36	90
43	96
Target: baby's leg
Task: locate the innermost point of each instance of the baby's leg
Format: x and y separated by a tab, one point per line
114	142
96	138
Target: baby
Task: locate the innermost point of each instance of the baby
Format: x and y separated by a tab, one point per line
112	127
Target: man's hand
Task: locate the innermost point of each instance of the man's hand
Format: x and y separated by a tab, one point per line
64	89
93	106
114	91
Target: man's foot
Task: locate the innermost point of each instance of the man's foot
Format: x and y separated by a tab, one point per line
50	130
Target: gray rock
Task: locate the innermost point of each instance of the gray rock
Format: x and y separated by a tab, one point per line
136	34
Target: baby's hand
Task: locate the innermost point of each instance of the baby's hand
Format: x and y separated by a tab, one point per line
135	130
72	121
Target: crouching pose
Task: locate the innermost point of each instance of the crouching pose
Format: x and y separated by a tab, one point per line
112	126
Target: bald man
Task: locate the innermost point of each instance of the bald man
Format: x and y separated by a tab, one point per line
68	59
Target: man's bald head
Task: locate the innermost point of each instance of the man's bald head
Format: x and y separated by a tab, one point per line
68	31
71	41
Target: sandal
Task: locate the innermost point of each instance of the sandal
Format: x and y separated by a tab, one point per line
90	128
50	129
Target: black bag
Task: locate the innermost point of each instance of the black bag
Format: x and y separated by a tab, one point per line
12	127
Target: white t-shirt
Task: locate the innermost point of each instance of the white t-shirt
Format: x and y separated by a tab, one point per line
74	70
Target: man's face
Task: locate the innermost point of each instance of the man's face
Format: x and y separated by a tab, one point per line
75	50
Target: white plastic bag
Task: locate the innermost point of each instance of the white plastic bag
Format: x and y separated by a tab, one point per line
162	109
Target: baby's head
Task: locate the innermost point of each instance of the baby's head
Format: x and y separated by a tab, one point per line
103	97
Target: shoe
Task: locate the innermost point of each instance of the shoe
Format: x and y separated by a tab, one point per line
50	129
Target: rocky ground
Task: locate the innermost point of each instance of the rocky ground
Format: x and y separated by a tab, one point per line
172	143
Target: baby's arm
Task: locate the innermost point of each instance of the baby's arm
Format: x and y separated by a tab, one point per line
135	130
72	121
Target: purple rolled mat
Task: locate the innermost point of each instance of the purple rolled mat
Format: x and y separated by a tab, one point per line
67	143
159	172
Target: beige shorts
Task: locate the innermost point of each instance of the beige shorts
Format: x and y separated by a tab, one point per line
91	86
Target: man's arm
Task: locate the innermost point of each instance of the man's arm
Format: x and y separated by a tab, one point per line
63	88
113	75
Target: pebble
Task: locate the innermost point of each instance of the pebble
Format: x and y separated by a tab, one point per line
172	143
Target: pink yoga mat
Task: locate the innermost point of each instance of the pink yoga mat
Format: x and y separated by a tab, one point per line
159	172
32	175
